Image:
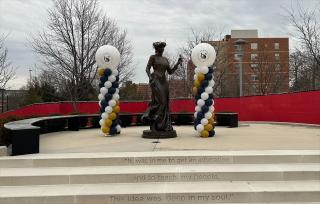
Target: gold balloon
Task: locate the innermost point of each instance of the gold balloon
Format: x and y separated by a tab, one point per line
112	116
211	121
204	133
118	103
196	83
107	122
194	90
105	130
208	127
116	109
101	71
201	77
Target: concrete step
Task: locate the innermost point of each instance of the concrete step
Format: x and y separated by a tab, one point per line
158	173
162	158
152	193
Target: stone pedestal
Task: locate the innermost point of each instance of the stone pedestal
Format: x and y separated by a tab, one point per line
159	134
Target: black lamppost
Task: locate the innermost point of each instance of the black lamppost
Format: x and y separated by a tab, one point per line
240	42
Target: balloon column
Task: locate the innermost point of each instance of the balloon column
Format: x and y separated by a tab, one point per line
203	56
108	59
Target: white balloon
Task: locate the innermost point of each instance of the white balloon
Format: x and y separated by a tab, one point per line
116	97
115	72
108	109
204	70
112	103
195	77
204	96
211	109
211	83
197	133
200	102
200	127
101	122
103	91
117	91
112	78
100	97
196	70
107	56
104	115
195	115
107	84
197	108
204	121
100	103
203	55
212	102
118	128
208	90
208	115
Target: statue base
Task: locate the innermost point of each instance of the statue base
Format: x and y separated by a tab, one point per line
149	134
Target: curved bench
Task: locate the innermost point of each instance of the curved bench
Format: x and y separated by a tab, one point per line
23	135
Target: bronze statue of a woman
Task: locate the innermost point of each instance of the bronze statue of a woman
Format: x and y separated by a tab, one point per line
158	113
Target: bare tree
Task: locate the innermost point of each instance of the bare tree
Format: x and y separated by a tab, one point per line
76	29
212	36
267	73
306	23
7	71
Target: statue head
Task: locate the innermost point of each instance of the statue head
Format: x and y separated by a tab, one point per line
159	47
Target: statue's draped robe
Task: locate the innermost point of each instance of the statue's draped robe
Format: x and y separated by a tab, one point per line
158	113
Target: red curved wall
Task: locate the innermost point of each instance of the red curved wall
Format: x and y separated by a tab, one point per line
302	107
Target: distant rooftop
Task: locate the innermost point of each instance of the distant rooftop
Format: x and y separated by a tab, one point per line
244	33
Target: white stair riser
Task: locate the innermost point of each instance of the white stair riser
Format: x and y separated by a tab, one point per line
158	177
69	162
176	198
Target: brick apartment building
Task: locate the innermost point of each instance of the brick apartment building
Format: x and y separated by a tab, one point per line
265	64
265	68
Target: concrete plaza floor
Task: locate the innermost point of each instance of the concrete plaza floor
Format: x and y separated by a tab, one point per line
248	136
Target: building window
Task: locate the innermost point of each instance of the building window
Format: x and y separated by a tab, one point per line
254	46
254	77
277	67
236	57
237	47
254	56
254	67
276	46
237	66
277	56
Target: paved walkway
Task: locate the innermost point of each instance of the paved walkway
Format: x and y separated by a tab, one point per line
246	137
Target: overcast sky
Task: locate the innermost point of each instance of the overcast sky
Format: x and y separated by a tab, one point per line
147	21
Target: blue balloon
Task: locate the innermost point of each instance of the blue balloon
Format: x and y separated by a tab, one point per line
208	76
200	115
103	79
208	102
101	85
108	97
210	70
114	124
117	78
205	109
111	90
115	84
212	133
198	97
204	83
200	90
113	131
210	96
107	72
